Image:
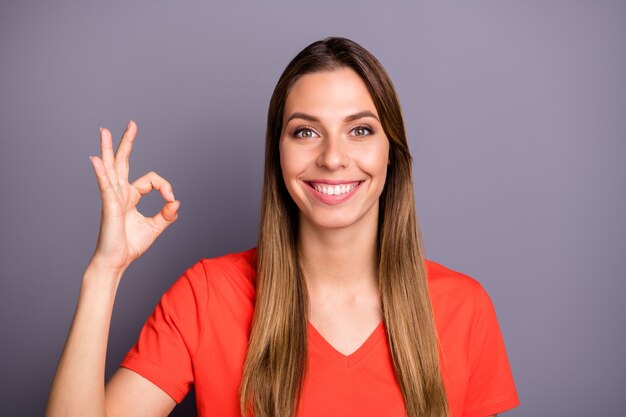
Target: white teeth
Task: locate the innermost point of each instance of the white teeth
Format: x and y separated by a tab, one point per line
336	190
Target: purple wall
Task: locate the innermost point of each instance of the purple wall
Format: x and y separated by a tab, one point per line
515	110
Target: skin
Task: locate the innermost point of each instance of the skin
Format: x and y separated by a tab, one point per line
337	242
125	234
333	148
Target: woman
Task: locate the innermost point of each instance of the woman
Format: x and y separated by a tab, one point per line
336	313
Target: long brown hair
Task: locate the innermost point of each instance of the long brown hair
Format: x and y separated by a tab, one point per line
276	360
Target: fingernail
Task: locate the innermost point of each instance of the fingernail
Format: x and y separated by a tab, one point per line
101	129
172	196
130	123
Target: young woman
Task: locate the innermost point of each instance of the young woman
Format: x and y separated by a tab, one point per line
335	313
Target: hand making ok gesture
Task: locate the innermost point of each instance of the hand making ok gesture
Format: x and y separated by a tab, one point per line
125	234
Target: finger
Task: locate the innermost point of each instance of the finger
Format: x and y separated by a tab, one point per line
167	216
153	181
122	155
106	145
104	182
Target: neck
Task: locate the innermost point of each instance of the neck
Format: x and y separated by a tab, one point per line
341	258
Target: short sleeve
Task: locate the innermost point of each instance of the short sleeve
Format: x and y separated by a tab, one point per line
491	388
168	341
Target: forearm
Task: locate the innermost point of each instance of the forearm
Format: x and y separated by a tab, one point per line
125	234
78	386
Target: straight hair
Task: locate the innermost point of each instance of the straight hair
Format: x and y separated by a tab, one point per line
275	365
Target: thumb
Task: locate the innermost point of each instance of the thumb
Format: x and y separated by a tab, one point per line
167	215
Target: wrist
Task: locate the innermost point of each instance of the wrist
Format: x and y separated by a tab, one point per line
97	274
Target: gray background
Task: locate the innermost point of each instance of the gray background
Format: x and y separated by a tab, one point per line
515	113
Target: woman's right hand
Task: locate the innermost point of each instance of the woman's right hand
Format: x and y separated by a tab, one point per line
125	234
78	387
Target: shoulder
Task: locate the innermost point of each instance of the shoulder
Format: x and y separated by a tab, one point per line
446	281
456	296
473	357
232	274
239	264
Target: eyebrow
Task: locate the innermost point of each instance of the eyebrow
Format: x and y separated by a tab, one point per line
350	118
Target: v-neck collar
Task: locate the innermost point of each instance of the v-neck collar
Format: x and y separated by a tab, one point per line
316	338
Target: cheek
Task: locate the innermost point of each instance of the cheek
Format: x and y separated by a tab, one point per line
294	161
375	160
285	158
291	166
286	165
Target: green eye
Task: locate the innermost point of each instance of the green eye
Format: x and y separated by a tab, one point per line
304	133
362	131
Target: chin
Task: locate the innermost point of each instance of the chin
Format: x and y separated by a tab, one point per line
338	220
333	224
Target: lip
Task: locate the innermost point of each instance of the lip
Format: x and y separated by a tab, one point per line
332	199
331	182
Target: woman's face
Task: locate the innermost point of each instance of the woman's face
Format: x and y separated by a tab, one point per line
333	150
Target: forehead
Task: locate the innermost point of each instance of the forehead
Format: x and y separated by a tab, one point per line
329	94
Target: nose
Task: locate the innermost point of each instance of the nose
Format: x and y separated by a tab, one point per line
333	154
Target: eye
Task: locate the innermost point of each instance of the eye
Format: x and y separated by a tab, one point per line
304	133
362	130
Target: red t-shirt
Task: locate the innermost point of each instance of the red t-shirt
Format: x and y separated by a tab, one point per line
198	335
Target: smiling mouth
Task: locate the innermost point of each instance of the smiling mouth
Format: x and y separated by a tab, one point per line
333	189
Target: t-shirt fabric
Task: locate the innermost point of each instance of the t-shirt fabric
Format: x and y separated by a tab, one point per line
198	335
